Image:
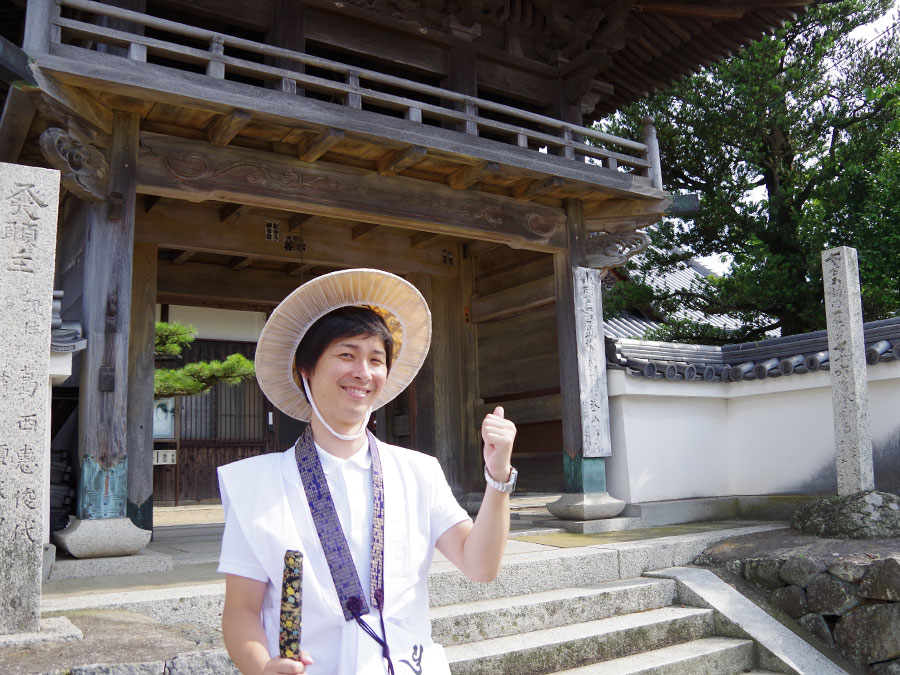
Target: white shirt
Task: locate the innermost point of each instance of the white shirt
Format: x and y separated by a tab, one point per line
266	512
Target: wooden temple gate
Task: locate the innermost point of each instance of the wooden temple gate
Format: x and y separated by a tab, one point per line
219	153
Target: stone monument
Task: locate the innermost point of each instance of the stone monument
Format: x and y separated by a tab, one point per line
849	386
29	202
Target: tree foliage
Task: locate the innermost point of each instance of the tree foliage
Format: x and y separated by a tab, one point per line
171	338
794	147
193	378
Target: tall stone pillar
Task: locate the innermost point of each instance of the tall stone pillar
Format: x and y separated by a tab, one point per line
29	202
849	385
102	527
585	403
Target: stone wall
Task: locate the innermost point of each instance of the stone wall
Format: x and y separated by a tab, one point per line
853	605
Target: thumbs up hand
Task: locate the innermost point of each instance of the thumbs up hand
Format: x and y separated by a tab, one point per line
498	434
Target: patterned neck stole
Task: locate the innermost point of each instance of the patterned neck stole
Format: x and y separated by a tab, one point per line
334	544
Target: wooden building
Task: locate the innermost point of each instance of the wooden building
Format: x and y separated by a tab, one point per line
217	153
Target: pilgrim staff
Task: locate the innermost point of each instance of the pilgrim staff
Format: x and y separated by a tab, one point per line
365	515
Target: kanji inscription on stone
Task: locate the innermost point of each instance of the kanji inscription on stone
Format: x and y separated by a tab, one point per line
29	199
591	363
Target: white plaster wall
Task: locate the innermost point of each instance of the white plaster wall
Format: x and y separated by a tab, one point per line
676	440
658	443
782	442
218	324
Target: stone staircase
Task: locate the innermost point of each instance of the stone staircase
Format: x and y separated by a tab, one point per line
631	626
553	613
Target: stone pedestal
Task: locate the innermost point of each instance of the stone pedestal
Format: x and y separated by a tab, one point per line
849	385
101	537
586	506
29	200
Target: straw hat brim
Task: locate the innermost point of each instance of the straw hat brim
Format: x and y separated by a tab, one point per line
289	322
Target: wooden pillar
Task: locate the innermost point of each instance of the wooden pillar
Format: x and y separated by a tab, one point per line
463	78
139	440
582	365
287	31
444	425
421	404
102	447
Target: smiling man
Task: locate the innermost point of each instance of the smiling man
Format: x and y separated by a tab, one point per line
366	515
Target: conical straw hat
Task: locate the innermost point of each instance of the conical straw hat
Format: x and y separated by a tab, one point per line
398	301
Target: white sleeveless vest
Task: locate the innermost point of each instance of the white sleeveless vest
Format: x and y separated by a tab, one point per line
265	495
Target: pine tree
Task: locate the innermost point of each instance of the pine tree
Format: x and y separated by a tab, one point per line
192	378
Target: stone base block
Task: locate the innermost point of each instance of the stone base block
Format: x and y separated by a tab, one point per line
53	629
586	506
141	562
101	538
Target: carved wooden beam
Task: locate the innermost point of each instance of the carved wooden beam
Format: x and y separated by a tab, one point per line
399	160
187	169
85	170
197	228
317	145
467	176
222	130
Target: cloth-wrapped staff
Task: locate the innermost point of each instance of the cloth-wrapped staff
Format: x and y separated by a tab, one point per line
291	606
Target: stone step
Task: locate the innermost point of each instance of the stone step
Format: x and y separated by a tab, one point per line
189	533
525	573
707	656
485	619
574	645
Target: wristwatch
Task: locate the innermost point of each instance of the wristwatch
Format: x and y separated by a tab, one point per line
507	487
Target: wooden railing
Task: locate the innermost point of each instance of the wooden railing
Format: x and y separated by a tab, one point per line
353	87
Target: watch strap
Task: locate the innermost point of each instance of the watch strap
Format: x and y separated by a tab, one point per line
506	487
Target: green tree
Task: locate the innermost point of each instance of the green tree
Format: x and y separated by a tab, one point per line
192	378
794	147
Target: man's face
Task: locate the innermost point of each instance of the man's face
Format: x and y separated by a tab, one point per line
348	378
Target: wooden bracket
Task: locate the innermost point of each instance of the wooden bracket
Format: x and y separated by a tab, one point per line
222	130
526	191
318	144
401	159
467	176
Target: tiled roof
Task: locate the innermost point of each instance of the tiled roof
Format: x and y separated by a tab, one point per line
679	279
777	357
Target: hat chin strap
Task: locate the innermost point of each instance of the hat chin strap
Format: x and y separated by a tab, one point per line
343	437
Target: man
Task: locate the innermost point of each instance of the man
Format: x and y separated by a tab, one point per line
367	516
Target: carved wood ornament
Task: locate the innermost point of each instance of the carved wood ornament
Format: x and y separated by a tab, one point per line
84	168
606	250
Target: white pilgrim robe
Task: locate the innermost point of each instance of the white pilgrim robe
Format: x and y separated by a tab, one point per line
266	513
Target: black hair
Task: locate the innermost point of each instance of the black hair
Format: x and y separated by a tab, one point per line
341	323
